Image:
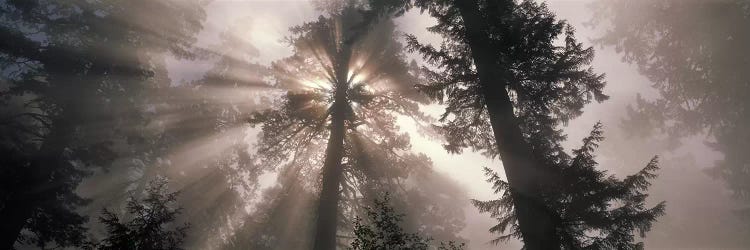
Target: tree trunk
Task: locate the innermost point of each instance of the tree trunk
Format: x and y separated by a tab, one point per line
326	225
325	235
525	173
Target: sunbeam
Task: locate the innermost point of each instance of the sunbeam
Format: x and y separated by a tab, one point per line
374	124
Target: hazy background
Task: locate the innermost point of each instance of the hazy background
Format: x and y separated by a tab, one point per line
699	208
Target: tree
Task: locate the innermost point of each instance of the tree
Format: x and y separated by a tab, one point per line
506	82
341	91
509	74
71	78
694	53
151	224
361	75
382	229
596	211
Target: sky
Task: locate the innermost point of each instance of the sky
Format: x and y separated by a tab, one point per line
696	204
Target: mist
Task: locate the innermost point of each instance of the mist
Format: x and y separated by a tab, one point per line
325	124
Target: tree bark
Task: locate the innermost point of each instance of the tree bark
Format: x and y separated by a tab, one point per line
326	225
525	173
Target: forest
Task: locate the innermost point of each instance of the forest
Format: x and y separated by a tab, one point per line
374	124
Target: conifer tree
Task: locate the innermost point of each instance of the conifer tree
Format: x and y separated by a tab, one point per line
150	225
340	94
594	210
509	73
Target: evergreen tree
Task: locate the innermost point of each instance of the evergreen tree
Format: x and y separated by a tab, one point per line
509	73
595	211
340	94
151	224
698	66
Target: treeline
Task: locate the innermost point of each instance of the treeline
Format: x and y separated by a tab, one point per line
89	108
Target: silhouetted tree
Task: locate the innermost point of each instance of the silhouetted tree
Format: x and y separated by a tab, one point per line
74	68
151	224
595	211
341	91
510	74
506	82
695	54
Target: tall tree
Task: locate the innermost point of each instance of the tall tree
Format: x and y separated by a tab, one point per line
74	73
694	53
341	92
506	82
510	73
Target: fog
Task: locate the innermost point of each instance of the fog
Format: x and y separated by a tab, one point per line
252	180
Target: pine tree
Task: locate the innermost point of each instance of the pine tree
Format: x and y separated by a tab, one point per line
151	226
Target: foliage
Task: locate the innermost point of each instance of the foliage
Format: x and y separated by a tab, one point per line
549	82
383	230
151	226
379	88
72	71
535	59
596	210
378	85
